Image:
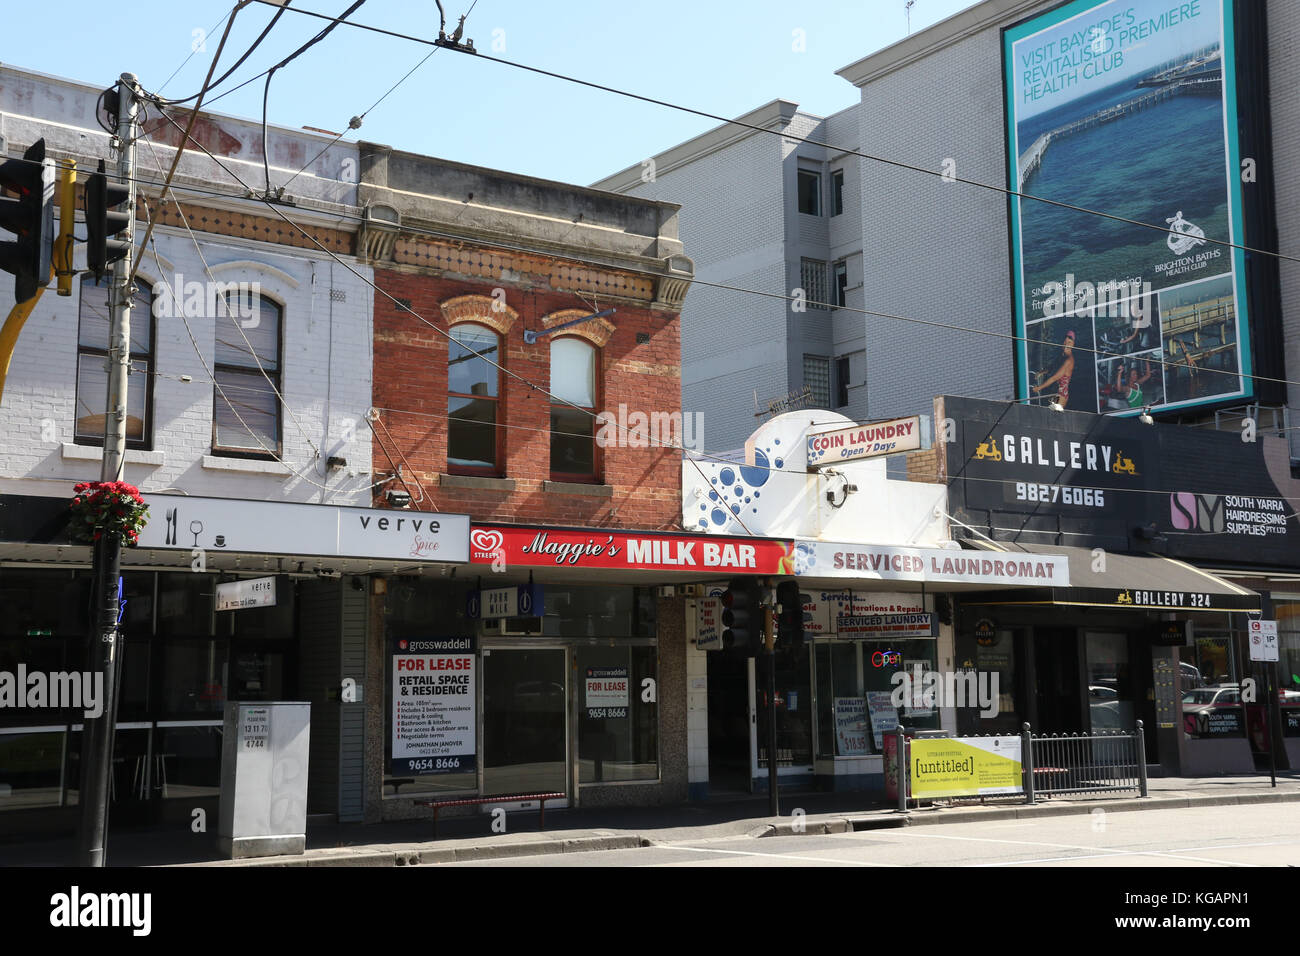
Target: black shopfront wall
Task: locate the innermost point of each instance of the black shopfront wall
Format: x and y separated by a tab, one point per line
1031	475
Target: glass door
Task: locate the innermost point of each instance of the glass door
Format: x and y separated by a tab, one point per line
1110	688
525	721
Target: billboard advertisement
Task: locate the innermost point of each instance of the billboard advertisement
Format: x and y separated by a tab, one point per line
1128	107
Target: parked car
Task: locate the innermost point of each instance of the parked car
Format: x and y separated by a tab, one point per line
1213	711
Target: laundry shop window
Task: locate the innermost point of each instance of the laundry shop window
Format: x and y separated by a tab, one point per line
93	325
574	387
246	419
856	678
474	401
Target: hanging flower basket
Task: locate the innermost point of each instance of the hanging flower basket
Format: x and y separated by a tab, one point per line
101	508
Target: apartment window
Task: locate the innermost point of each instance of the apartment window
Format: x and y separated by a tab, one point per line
573	430
246	407
93	322
810	192
817	376
473	400
841	381
812	279
841	283
837	192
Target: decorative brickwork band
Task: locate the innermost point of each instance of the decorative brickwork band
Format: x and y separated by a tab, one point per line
484	309
489	264
595	331
224	222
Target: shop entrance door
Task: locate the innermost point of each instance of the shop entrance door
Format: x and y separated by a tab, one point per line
525	721
731	722
1056	678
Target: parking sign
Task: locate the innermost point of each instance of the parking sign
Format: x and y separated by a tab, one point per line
1263	640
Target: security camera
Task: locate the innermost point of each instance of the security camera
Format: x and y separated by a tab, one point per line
398	499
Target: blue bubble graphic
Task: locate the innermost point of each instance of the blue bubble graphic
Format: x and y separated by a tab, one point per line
735	509
780	463
728	476
739	489
756	475
719	516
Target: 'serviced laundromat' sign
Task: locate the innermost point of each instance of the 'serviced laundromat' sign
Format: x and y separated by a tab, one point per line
864	441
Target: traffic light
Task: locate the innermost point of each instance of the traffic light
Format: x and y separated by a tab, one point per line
789	628
104	220
30	217
742	620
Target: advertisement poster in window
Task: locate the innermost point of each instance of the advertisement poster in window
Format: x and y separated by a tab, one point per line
1127	106
606	692
884	716
850	727
433	706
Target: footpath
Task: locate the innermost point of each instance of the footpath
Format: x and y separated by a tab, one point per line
616	828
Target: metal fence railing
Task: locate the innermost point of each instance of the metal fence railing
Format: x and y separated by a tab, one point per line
1084	763
1050	765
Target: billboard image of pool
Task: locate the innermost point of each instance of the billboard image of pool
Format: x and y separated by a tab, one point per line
1122	107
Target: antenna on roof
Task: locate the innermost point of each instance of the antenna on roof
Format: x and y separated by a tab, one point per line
907	10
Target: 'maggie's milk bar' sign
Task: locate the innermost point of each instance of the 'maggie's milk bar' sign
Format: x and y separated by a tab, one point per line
864	441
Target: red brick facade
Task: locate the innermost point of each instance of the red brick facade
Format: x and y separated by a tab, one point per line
641	485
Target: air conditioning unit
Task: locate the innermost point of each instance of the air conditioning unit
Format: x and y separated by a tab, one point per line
512	626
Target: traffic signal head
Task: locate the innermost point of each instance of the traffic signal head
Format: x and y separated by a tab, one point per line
790	622
30	217
106	217
742	620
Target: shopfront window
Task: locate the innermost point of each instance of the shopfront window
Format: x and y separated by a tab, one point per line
1288	666
618	727
856	687
1110	690
842	728
419	610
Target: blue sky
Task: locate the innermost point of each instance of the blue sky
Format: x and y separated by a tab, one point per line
724	58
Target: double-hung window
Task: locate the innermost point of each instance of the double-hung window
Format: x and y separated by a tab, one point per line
573	429
473	400
247	373
93	323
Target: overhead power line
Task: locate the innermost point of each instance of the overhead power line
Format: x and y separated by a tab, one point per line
946	177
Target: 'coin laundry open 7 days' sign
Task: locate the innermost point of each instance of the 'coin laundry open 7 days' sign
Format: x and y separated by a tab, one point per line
864	441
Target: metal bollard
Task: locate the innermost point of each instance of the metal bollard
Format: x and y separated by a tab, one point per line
902	768
1141	759
1027	757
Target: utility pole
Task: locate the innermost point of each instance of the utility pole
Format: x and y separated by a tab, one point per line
769	654
104	652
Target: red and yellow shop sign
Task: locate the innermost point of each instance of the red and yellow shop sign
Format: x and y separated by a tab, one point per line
560	547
